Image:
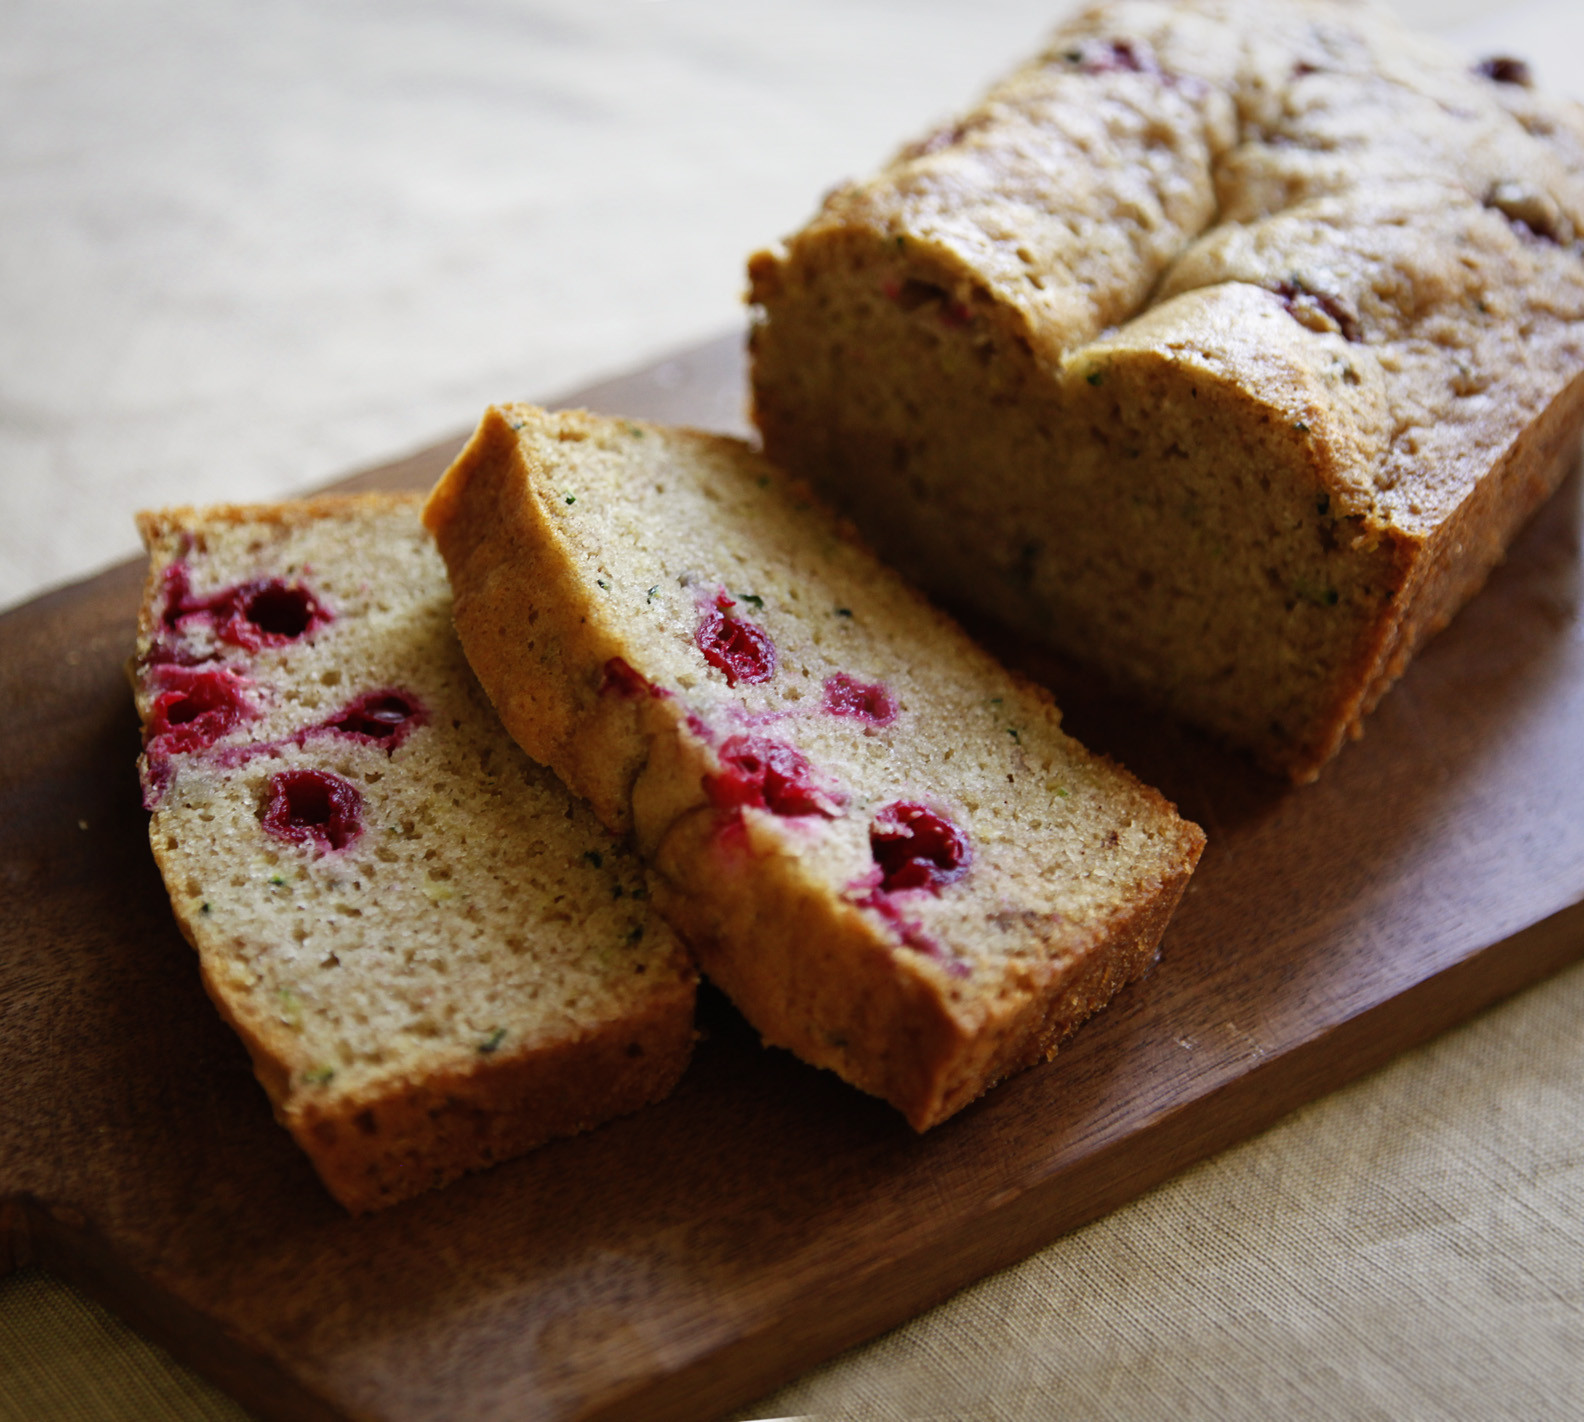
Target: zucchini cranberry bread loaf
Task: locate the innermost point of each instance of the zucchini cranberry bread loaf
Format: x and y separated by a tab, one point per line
1225	345
877	842
435	957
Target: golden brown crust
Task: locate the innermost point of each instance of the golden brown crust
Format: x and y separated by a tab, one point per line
375	1153
495	539
1456	559
395	1139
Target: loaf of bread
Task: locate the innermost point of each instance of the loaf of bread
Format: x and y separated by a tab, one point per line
1225	346
437	959
876	841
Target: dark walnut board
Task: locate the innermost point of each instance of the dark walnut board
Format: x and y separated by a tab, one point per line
686	1259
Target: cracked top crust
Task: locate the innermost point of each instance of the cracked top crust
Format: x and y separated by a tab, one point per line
1416	219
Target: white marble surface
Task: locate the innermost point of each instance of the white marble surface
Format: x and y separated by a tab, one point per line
244	248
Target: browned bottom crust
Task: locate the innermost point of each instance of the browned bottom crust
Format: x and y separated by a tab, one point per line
405	1137
817	979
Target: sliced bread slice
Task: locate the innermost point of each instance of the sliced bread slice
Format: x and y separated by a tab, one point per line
436	958
878	842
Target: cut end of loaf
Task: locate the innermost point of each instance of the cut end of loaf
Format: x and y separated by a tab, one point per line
1218	365
1137	507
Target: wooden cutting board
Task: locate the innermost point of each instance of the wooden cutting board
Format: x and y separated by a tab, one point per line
688	1258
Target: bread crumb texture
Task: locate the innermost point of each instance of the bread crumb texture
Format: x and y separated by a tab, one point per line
878	842
1225	345
437	958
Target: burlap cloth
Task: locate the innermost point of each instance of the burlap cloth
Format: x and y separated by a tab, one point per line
244	248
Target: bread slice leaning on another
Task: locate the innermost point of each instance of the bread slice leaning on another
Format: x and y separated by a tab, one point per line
436	958
877	841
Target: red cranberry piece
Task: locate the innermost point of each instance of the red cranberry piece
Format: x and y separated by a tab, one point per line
912	933
1114	56
1294	293
767	775
912	294
155	777
740	649
867	700
956	314
195	708
278	609
1529	212
177	590
917	849
267	612
180	604
313	807
941	138
167	651
176	602
386	717
620	679
1504	69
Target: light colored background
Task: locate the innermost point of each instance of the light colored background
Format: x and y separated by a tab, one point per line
244	248
247	246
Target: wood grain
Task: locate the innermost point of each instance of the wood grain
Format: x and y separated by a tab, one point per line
686	1259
